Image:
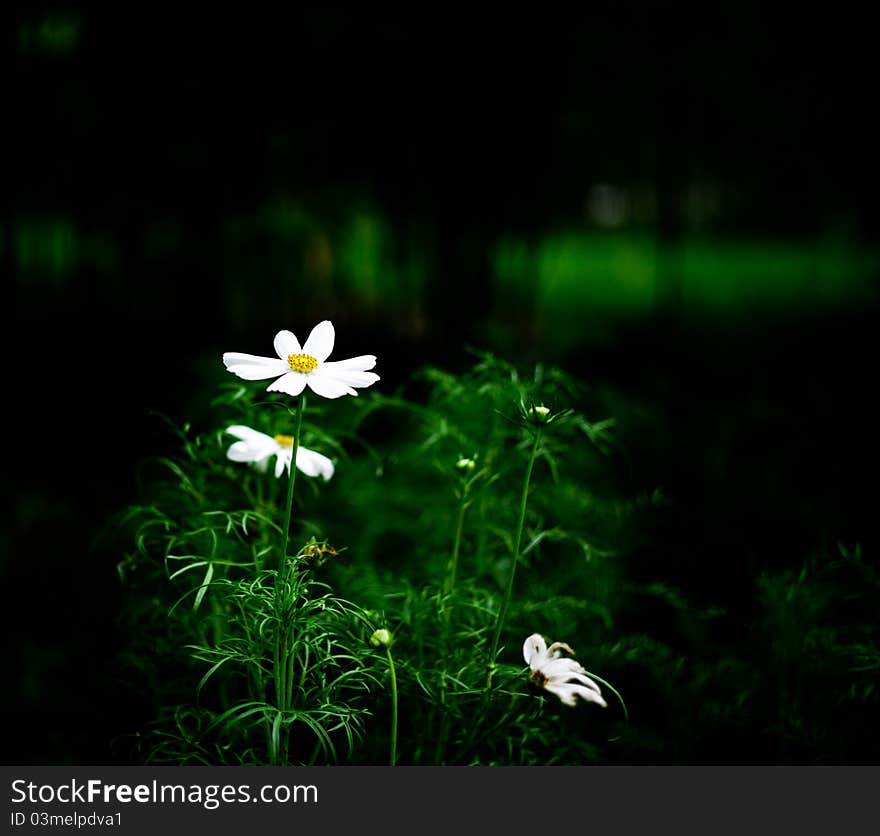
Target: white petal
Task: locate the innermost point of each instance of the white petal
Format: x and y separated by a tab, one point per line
253	445
291	383
570	692
555	649
560	666
327	387
252	367
356	364
243	451
286	344
320	341
250	435
348	377
563	691
282	461
534	649
313	464
579	677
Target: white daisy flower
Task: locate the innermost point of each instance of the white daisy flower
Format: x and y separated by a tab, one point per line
257	447
559	674
296	367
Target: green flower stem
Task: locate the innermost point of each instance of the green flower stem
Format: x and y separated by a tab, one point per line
446	610
282	567
291	664
456	545
284	641
393	756
502	613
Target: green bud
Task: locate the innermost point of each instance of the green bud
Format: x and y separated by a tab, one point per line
381	638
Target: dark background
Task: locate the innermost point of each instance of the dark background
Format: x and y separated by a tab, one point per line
142	152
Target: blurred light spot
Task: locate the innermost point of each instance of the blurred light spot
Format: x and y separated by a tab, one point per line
608	205
318	259
45	246
567	279
52	249
362	255
53	35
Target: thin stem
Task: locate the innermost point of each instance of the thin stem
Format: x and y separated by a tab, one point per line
393	757
300	407
446	612
502	613
283	638
456	545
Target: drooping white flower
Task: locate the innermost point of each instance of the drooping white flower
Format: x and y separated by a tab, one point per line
254	446
558	674
299	366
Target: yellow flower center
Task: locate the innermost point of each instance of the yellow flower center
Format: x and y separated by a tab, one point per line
302	363
538	677
284	440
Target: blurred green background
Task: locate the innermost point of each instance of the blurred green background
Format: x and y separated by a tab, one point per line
681	209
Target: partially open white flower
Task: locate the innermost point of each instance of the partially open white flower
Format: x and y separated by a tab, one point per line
558	674
295	367
254	446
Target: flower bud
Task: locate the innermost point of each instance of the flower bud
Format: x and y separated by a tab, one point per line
381	638
465	464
